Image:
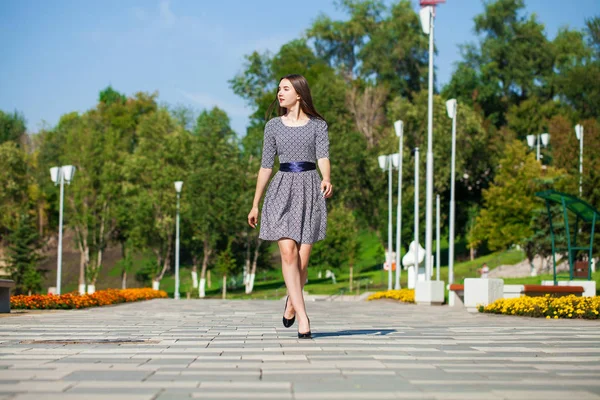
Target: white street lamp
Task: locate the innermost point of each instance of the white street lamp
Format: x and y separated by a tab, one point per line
536	140
386	162
437	238
451	108
399	128
427	16
178	186
579	134
416	217
59	176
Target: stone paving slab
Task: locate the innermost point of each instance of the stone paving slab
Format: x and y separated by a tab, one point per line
211	349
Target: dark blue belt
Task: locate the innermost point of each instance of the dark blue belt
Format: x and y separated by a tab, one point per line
297	166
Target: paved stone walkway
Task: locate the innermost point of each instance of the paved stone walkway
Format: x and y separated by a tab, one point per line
213	349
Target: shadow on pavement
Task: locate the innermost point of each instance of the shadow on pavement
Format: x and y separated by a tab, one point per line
354	332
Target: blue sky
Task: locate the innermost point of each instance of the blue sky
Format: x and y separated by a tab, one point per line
57	55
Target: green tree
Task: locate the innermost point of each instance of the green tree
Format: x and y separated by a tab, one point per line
214	184
97	143
340	248
225	265
12	127
24	256
509	202
376	43
15	183
513	56
158	161
109	96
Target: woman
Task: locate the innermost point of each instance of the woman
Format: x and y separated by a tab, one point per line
294	211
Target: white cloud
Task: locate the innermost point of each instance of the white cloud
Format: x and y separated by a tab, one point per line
166	15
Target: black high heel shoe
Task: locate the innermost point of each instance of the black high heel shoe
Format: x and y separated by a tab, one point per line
287	322
306	335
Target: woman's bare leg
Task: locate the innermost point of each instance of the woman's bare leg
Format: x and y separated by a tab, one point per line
290	267
305	249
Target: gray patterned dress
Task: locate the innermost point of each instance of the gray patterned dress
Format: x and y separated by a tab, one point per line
294	206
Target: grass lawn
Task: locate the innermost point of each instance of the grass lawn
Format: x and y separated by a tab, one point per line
368	275
368	272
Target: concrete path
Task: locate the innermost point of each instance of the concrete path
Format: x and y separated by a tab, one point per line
209	349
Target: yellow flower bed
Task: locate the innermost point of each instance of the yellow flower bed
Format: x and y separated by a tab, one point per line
550	307
76	300
405	295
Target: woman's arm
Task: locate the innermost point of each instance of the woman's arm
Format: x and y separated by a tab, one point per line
322	153
325	168
264	174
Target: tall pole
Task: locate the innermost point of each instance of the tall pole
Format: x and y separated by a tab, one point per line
437	238
60	229
538	147
389	162
416	216
429	196
452	206
399	217
177	252
579	133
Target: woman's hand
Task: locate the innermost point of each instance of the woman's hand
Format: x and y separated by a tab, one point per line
253	217
326	189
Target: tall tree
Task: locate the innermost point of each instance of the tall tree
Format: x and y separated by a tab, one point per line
15	182
12	127
213	194
509	63
24	256
157	162
510	202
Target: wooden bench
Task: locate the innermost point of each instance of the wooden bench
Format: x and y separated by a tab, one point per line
581	269
456	295
5	286
558	291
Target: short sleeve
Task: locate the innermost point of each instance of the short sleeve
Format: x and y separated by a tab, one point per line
322	143
269	148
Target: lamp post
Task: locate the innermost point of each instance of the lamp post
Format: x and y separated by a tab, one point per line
399	128
427	16
386	162
437	238
451	108
416	212
178	186
59	175
543	138
579	134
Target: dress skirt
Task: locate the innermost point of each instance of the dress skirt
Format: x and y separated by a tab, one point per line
294	208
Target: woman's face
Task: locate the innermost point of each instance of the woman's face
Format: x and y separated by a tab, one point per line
286	94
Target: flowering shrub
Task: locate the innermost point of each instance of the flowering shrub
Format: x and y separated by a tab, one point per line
550	307
405	295
76	300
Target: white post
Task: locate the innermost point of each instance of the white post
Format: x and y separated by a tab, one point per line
389	161
579	133
538	146
416	264
399	211
176	296
581	165
60	230
452	206
437	238
429	194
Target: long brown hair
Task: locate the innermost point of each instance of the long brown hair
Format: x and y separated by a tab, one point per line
300	84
